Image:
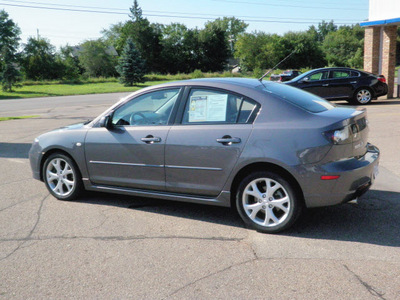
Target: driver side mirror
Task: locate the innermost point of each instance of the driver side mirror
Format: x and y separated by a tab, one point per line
306	80
105	121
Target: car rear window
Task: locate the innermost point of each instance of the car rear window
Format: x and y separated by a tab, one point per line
300	98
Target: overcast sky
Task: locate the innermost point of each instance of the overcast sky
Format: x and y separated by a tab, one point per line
61	21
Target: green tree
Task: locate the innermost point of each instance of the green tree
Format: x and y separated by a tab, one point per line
231	26
131	66
9	42
344	47
174	56
146	36
324	28
39	60
213	50
258	50
308	52
97	59
70	63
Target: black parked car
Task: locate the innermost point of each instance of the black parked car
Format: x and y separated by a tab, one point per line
357	87
285	76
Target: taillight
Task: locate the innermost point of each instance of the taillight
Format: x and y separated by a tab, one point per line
382	78
339	136
280	78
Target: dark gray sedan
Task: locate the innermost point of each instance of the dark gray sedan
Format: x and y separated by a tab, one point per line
266	148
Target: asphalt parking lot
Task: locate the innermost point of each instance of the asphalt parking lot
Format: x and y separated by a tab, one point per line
112	246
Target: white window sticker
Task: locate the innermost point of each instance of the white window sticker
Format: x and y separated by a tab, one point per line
210	108
216	108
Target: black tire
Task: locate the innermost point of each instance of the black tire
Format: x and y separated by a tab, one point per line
362	96
59	171
270	205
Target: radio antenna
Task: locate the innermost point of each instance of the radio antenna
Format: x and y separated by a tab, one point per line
262	77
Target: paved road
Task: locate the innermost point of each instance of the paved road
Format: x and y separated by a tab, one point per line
111	246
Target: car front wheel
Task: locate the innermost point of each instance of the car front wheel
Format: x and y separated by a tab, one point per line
62	177
267	202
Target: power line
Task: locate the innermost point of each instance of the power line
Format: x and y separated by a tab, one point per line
167	12
287	5
158	15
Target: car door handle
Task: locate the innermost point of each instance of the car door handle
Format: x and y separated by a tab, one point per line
325	85
352	82
227	140
151	139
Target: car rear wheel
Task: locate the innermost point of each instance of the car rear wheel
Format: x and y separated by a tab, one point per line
362	96
62	177
267	202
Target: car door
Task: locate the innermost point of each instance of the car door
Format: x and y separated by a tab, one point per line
129	152
316	83
203	148
341	84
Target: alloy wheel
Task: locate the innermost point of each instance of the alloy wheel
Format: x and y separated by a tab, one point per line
364	96
266	202
60	177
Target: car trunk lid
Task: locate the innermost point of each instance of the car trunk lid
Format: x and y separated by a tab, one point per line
347	131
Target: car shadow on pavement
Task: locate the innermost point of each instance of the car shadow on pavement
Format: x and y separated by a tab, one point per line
15	150
206	213
374	220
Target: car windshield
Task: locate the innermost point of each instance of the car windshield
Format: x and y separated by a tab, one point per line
302	99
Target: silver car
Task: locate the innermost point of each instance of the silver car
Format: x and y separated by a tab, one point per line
266	148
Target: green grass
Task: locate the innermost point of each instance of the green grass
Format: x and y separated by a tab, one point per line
61	89
16	118
34	89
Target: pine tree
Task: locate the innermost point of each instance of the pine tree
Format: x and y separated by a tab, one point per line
9	41
131	65
136	12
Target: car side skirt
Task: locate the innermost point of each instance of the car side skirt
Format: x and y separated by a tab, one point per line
223	199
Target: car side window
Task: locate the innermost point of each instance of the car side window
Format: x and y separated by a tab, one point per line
318	76
340	74
147	110
205	106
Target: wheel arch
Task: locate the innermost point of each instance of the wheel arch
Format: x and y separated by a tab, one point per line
371	90
264	166
52	151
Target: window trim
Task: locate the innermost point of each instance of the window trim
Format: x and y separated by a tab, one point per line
185	98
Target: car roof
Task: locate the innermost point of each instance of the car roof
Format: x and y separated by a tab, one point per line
243	82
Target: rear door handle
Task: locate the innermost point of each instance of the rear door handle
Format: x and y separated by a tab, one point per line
325	85
151	139
227	140
352	82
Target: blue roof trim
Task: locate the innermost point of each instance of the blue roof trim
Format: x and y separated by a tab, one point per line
380	22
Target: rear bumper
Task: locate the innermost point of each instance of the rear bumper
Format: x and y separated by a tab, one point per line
356	177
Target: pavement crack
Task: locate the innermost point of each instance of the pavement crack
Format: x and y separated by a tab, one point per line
29	236
119	238
369	288
209	275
